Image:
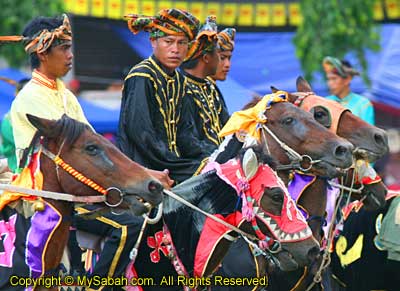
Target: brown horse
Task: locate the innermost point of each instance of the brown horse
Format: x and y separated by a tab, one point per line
370	143
287	126
313	198
124	183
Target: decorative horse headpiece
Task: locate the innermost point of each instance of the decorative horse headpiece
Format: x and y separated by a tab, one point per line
250	180
252	119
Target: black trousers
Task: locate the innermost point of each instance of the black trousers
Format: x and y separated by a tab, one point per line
122	232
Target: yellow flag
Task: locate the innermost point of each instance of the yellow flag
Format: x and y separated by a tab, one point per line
295	17
197	9
183	5
228	14
278	14
164	5
98	8
81	7
392	9
214	8
378	10
148	7
262	14
245	14
114	9
69	5
131	6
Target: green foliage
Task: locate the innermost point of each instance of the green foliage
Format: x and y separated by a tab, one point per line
335	28
14	15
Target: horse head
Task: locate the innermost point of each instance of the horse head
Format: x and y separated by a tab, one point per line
317	149
370	142
269	211
83	156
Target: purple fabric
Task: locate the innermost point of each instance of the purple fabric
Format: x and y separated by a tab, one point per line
296	187
331	193
42	225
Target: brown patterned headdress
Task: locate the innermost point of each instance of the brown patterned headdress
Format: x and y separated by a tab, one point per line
205	41
226	39
42	40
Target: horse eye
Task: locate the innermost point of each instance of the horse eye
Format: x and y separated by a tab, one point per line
92	149
288	121
319	114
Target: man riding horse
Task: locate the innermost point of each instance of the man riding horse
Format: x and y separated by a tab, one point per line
153	91
48	41
204	112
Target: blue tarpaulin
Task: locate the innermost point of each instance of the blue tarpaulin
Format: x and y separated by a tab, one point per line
262	59
102	119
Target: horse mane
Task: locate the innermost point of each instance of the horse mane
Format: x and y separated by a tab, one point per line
253	102
195	190
262	157
208	192
66	129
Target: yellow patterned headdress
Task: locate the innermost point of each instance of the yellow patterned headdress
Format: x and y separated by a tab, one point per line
250	120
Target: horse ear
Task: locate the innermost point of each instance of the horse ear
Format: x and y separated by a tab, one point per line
302	85
45	126
274	89
249	163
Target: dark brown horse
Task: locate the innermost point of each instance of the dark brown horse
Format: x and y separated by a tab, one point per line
124	183
286	125
216	192
370	143
313	198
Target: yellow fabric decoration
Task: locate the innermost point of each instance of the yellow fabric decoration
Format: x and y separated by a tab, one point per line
352	254
23	180
249	120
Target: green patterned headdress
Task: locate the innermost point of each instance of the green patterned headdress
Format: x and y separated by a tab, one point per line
205	41
166	22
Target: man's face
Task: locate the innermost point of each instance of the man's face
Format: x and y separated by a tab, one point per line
170	50
212	60
224	65
337	84
58	61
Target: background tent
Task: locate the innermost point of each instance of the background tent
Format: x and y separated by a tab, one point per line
262	59
102	119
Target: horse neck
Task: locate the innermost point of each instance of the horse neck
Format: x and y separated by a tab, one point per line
207	192
314	200
56	246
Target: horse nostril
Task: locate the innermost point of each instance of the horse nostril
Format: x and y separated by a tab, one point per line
155	187
380	139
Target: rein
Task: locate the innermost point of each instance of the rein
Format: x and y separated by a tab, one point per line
52	195
246	236
326	258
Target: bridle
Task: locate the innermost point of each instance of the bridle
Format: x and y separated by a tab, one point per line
306	101
296	160
59	162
